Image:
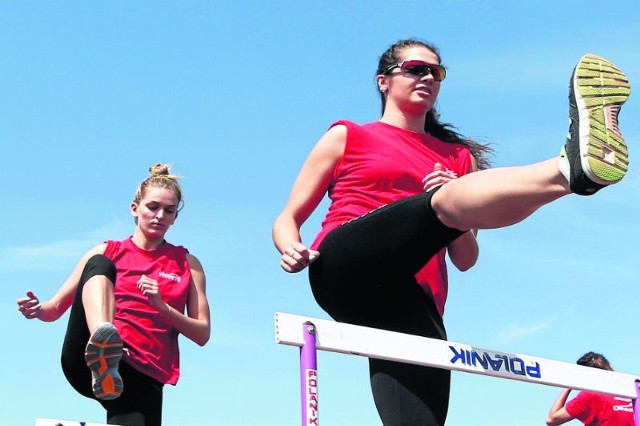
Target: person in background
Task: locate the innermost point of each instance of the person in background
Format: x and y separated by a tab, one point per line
128	301
591	408
401	193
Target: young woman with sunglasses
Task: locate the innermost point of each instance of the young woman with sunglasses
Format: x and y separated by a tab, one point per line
401	194
127	302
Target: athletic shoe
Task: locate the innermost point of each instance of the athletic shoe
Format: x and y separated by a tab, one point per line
595	154
103	354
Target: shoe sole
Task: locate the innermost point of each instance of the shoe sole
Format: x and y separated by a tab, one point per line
103	354
600	89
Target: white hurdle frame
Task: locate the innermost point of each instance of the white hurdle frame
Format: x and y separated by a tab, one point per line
40	421
312	334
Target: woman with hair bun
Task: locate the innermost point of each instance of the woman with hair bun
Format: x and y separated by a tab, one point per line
128	300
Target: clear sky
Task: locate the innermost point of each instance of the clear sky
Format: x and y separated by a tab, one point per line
234	94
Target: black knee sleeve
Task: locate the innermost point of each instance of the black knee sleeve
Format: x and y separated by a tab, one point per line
99	264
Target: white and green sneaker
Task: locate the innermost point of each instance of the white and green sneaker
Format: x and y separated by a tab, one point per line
595	154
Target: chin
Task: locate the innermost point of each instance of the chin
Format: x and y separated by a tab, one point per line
154	234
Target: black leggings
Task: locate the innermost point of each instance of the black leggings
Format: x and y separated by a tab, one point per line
365	276
141	401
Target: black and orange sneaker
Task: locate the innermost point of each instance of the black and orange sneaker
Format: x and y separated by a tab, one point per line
595	154
103	354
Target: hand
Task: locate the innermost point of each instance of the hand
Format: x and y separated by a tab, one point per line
29	306
438	177
296	257
150	289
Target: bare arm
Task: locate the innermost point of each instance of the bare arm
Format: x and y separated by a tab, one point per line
196	325
558	414
463	251
307	192
55	307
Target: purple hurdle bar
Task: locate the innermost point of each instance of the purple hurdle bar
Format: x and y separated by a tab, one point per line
309	376
636	406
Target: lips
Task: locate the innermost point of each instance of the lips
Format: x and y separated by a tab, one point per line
423	91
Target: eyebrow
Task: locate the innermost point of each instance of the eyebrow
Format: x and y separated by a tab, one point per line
160	203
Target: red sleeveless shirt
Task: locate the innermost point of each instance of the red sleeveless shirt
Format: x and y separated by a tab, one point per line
152	342
382	164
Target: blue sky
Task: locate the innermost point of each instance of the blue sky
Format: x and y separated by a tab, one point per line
234	94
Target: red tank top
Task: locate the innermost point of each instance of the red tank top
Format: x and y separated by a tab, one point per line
152	342
594	409
382	164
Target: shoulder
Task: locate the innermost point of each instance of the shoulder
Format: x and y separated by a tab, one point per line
342	132
192	259
341	128
331	145
337	129
112	247
98	249
580	402
344	124
194	262
179	253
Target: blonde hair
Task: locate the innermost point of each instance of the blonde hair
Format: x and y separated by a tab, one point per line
159	177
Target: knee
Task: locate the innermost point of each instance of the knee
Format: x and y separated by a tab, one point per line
99	265
445	208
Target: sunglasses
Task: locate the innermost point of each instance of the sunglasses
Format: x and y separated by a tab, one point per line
420	69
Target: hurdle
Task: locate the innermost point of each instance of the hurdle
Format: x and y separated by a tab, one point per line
313	334
40	421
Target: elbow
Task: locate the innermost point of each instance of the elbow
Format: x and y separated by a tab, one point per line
199	335
552	422
464	257
204	338
464	265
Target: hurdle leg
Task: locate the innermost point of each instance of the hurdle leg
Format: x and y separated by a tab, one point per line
41	421
309	376
636	404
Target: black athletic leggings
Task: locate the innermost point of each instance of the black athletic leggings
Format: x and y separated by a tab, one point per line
365	276
141	401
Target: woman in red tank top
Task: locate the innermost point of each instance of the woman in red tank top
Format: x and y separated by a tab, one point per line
125	297
365	264
591	408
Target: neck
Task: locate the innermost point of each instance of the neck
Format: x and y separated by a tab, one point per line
404	120
145	243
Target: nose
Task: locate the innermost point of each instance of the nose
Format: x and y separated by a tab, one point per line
428	75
